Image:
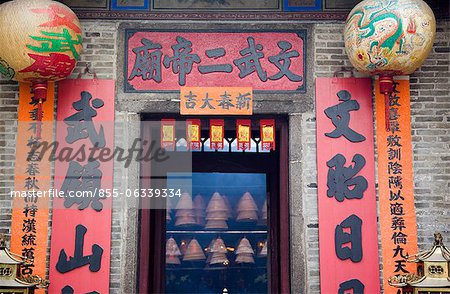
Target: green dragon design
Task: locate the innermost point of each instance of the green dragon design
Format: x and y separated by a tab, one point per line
381	14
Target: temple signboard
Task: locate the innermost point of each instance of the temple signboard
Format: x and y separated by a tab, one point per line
164	61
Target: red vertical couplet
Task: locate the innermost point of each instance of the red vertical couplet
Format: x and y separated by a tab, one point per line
81	223
33	177
348	240
395	184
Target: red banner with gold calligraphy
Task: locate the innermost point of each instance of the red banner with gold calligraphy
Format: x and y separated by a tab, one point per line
32	179
348	239
395	184
216	133
243	134
81	221
193	134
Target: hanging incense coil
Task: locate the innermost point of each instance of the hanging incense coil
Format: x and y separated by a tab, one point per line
194	252
185	213
247	208
216	213
172	252
185	202
216	203
244	247
219	252
244	252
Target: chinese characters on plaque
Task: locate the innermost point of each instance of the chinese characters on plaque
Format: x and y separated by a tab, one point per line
348	239
216	100
165	61
395	184
81	226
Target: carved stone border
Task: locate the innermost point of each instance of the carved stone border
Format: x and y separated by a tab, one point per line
279	16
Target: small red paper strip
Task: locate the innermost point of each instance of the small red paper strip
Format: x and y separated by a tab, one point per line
243	133
267	134
216	133
168	134
193	134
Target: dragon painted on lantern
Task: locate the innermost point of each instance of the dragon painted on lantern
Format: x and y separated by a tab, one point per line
380	39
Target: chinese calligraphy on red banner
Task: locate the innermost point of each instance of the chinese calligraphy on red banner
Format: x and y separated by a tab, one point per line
348	239
32	176
395	184
166	61
81	224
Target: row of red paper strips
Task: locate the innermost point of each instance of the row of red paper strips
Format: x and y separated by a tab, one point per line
217	134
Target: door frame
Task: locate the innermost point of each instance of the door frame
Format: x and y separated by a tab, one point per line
151	229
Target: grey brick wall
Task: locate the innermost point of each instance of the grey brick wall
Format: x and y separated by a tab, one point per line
430	103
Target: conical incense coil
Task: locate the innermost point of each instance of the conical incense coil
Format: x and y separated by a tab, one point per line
247	203
219	246
219	258
216	203
216	224
194	251
244	247
185	202
245	258
172	248
264	249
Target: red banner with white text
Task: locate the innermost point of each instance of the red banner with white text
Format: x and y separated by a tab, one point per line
348	240
81	223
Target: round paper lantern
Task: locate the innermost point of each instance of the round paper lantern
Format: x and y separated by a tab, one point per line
41	42
388	38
